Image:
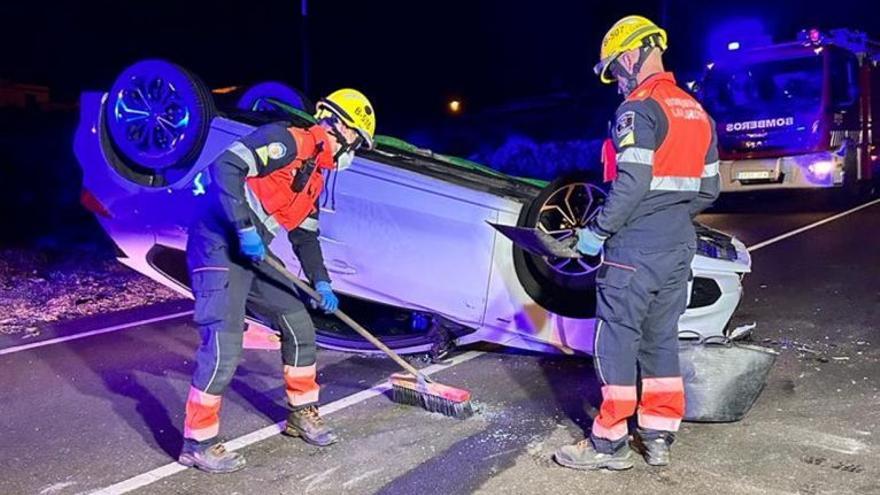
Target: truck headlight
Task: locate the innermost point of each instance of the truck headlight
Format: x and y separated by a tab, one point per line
822	169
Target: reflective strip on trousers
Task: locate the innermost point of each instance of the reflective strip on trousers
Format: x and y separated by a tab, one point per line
596	352
662	403
681	184
246	155
618	404
301	385
658	423
202	420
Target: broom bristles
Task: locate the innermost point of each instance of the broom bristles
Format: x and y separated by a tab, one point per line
433	397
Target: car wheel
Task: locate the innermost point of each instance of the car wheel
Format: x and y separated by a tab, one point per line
157	116
258	98
562	286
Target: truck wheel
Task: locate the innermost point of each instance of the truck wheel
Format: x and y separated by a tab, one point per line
562	286
157	116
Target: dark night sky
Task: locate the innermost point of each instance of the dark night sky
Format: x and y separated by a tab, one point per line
410	56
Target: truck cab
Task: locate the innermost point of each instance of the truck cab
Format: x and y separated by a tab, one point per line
798	114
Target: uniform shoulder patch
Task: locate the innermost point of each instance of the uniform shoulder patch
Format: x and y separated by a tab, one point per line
626	123
263	153
272	151
625	129
277	150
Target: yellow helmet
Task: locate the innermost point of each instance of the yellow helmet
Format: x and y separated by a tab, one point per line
353	109
631	32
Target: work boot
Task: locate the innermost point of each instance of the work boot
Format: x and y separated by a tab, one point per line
307	423
210	457
582	455
654	450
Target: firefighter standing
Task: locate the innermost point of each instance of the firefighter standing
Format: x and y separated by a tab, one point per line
667	172
265	182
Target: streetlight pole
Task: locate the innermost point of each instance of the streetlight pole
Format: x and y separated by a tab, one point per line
304	43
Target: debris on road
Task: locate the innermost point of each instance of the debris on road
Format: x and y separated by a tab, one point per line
822	351
40	287
743	331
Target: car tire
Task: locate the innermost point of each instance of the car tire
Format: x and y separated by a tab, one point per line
563	287
157	117
254	99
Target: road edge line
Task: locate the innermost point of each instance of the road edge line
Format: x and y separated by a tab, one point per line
811	226
90	333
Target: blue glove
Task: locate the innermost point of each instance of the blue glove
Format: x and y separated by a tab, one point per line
589	242
251	245
329	302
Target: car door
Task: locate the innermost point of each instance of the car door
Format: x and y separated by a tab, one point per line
396	236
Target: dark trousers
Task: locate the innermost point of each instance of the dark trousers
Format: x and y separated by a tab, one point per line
641	295
224	287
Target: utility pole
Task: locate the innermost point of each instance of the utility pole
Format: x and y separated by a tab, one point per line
304	43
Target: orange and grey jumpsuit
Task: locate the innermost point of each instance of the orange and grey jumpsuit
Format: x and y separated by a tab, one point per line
270	179
667	172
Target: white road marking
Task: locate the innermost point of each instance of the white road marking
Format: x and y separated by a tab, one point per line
318	478
173	468
811	226
350	483
56	487
68	338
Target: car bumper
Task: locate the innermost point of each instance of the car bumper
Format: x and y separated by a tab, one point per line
810	171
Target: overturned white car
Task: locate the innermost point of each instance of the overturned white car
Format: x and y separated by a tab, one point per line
404	231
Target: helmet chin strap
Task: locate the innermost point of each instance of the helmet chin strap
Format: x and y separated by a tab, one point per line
344	145
631	78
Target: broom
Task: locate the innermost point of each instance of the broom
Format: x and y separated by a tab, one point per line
411	388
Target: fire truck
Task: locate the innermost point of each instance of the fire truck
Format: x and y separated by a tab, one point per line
799	114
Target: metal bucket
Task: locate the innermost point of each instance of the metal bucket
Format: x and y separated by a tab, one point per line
722	379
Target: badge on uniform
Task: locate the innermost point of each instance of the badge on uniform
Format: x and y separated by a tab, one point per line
273	151
277	150
625	129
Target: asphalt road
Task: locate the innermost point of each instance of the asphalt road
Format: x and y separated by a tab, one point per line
87	414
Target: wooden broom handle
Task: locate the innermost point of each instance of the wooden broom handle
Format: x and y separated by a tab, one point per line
344	317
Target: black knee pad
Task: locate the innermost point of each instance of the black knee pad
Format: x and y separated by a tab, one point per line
297	338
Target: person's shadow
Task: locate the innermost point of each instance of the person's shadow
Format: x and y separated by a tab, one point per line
143	408
146	409
573	383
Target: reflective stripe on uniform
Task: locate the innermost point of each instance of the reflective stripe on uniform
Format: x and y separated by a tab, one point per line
618	404
246	155
211	269
642	156
310	224
615	432
272	224
202	421
682	184
658	423
300	383
268	221
710	170
662	403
